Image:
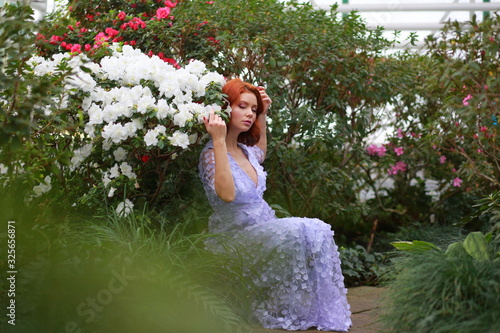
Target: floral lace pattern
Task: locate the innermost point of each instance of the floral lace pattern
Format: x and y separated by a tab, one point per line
295	260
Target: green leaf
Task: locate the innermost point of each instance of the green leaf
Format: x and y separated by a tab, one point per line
476	246
415	246
454	249
272	62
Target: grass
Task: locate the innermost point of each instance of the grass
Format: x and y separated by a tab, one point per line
111	274
435	292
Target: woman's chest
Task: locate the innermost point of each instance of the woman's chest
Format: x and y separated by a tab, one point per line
246	168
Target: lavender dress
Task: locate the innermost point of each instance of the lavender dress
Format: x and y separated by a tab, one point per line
294	260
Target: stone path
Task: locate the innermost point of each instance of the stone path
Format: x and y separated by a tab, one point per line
365	304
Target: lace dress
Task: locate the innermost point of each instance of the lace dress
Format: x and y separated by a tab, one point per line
294	260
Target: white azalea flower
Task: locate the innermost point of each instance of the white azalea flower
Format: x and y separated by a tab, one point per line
182	116
114	172
179	139
111	192
126	170
196	67
124	208
43	187
120	154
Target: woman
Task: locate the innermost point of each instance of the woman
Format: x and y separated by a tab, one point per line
294	261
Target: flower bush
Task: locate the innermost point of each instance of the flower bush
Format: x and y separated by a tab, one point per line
138	114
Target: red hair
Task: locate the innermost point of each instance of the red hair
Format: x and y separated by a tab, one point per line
233	89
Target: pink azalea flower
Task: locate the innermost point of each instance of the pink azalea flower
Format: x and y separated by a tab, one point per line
111	32
162	13
457	182
381	151
483	129
372	150
101	38
395	169
400	133
77	48
465	101
170	4
442	159
122	15
399	151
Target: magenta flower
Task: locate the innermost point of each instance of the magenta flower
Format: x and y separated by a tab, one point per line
399	151
372	150
400	133
101	38
465	101
457	182
170	4
111	32
395	169
77	48
381	151
162	13
122	15
442	159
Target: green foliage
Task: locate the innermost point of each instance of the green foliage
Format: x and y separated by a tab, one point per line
326	75
414	246
432	291
35	128
360	267
118	275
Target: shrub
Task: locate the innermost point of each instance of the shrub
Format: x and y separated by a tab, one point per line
452	291
360	267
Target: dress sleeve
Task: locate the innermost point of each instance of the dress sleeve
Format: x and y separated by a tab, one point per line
207	167
258	153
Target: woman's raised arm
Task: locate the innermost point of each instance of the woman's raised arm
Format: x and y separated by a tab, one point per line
266	100
223	178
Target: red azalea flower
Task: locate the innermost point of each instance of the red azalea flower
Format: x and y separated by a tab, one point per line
170	4
145	158
76	48
111	32
213	40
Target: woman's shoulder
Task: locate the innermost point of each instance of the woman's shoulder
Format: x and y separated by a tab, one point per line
254	151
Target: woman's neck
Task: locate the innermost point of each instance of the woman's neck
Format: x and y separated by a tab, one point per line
232	141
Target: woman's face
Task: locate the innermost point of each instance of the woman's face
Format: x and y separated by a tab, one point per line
244	112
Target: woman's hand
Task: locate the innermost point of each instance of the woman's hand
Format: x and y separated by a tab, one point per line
266	100
215	126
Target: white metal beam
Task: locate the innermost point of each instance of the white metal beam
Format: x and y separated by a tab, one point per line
409	7
408	26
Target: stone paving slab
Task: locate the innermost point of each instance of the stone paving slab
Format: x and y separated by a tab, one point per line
365	306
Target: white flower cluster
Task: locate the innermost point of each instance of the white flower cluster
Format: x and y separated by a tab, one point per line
131	100
80	154
43	187
124	208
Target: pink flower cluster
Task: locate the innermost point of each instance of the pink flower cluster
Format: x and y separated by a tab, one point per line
135	24
457	182
395	169
163	12
399	151
465	101
376	150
